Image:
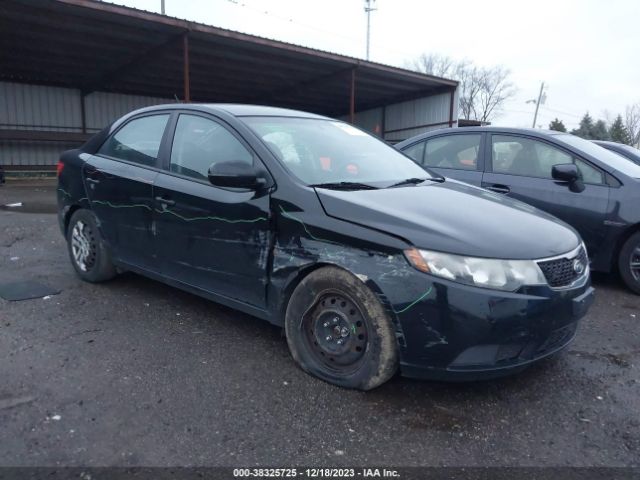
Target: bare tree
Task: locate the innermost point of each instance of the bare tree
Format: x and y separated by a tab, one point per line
438	65
470	90
632	123
482	91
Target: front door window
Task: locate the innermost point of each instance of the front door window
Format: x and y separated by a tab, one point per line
200	143
532	158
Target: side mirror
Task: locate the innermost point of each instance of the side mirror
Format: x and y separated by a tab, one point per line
565	172
568	172
235	175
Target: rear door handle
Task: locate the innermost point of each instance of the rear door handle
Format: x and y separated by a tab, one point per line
92	180
498	188
165	200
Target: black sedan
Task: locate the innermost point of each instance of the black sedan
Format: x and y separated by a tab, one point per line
626	151
592	189
368	261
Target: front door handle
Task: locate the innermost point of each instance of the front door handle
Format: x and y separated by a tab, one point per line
499	188
165	200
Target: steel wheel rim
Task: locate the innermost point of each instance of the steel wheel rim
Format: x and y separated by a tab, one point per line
634	263
83	246
335	332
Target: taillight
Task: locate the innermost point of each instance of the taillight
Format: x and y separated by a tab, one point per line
59	167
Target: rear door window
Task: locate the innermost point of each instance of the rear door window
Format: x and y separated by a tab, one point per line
458	151
138	141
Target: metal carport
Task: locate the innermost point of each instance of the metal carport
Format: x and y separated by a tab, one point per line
96	55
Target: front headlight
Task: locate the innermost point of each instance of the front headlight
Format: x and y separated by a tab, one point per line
506	275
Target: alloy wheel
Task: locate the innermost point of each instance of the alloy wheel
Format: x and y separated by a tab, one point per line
83	246
634	263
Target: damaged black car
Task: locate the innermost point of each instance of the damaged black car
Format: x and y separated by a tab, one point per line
370	263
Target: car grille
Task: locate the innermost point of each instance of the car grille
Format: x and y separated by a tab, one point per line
560	272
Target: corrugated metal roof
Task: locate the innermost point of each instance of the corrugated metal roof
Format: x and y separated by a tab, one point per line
283	42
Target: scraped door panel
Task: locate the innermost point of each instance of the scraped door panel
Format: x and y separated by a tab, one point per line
212	238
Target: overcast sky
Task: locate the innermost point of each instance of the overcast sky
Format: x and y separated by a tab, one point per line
586	51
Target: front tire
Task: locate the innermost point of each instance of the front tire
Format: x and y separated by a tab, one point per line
629	263
89	256
338	331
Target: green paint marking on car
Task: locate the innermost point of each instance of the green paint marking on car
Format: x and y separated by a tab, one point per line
220	219
121	205
186	219
417	300
288	215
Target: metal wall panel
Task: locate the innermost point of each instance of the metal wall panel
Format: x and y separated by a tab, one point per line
37	107
407	119
32	153
404	120
103	108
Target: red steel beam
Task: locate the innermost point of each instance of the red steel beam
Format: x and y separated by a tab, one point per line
187	79
352	99
453	94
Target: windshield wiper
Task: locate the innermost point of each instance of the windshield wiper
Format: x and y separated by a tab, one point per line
416	181
344	186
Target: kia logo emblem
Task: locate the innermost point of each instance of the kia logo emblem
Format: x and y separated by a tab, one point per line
578	266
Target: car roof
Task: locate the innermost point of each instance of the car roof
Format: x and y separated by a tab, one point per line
606	142
237	110
535	132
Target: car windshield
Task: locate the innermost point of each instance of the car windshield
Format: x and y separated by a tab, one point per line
323	151
618	162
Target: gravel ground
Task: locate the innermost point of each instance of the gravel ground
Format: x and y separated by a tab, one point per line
133	372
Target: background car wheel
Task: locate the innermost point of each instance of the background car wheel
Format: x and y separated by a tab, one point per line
629	263
88	254
338	331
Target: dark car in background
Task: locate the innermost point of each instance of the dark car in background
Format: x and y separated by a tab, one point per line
366	259
592	189
626	151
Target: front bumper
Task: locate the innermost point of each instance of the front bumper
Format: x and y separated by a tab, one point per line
458	332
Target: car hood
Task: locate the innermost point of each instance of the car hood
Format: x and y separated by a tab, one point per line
454	217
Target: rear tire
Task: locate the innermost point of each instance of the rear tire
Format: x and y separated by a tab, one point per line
89	256
338	331
629	263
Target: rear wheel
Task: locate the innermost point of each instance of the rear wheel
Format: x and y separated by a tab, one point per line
629	263
87	251
338	331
